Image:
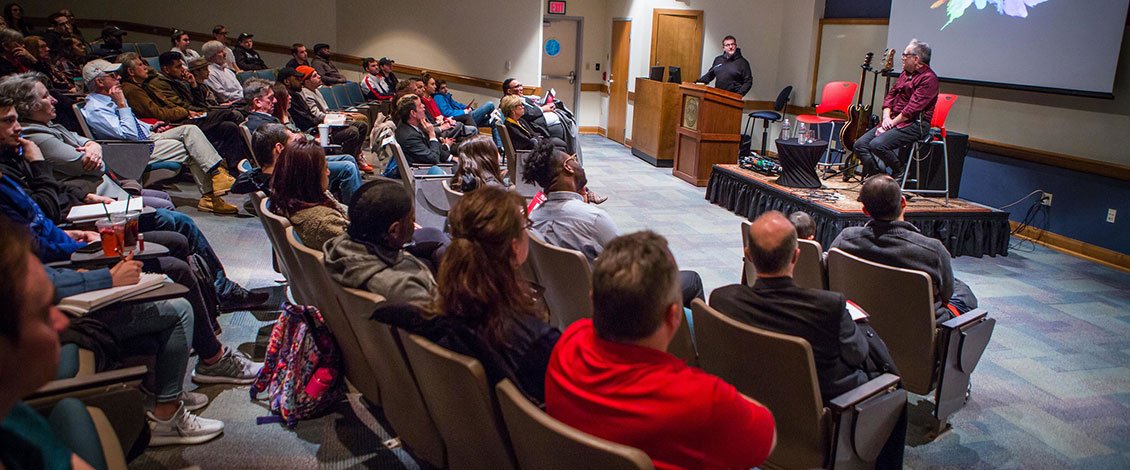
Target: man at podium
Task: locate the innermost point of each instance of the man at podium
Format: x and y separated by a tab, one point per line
730	68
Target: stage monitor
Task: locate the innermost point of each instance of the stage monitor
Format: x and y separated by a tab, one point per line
674	75
1069	46
656	73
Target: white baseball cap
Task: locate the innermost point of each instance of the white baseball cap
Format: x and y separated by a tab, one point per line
96	68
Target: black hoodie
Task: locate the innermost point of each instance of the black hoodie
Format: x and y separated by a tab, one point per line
733	74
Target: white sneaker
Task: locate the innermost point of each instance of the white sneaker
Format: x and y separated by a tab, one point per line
193	400
182	428
234	367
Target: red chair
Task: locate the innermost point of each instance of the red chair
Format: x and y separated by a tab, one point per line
836	96
941	110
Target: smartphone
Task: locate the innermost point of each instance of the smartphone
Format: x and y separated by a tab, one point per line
90	248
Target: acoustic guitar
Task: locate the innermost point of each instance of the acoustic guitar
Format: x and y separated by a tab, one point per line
858	119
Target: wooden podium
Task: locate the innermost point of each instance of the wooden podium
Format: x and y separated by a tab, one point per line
654	120
708	133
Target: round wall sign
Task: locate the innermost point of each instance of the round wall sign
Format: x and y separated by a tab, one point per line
552	47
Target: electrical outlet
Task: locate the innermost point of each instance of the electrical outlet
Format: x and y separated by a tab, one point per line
1046	199
1110	213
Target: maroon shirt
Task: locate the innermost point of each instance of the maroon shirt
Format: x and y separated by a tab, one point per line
913	92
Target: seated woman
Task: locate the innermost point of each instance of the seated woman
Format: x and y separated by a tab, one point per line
482	292
523	136
310	208
477	166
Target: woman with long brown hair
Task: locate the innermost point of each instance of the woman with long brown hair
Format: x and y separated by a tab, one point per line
480	287
314	213
477	166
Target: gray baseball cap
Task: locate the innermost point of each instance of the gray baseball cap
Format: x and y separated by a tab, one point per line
96	68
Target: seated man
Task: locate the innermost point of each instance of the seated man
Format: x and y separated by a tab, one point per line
417	136
546	118
299	56
370	255
221	79
612	377
220	34
890	240
167	96
246	58
805	226
449	107
349	137
375	83
321	63
907	111
317	105
565	220
201	92
847	353
269	141
110	117
111	45
427	96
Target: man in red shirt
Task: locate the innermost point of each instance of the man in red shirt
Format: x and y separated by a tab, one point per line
907	111
612	377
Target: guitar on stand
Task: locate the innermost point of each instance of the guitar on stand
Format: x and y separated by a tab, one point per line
858	120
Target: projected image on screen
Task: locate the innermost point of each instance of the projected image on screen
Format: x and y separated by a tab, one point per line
956	8
1067	46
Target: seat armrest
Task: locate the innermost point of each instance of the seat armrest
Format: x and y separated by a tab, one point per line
965	320
124	377
431	177
862	392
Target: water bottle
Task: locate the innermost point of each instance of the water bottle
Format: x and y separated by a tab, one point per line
801	132
785	131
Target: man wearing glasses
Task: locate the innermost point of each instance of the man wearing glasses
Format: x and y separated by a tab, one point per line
907	111
730	68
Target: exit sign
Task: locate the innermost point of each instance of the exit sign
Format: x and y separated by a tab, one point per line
557	8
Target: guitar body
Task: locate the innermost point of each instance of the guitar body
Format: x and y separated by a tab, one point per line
858	116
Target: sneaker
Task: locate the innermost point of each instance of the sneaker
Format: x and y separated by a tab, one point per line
213	203
193	400
242	299
222	181
182	428
234	367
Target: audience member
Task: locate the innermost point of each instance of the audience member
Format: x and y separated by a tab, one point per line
374	82
350	137
847	353
299	56
565	220
371	256
429	91
481	292
314	213
111	45
321	62
477	166
110	117
267	142
14	57
889	239
181	42
39	49
14	18
317	105
245	56
221	79
480	116
610	376
417	136
74	30
220	34
59	32
386	71
201	92
523	136
69	57
805	226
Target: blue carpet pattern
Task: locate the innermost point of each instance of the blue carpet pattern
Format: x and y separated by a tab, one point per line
1052	390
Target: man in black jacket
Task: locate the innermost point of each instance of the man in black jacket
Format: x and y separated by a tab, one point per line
246	58
847	353
348	136
416	136
730	68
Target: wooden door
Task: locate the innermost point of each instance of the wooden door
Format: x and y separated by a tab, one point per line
618	79
676	39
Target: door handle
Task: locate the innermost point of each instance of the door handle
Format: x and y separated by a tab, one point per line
572	76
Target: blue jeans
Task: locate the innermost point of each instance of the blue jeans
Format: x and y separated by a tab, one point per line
344	176
174	221
481	115
170	323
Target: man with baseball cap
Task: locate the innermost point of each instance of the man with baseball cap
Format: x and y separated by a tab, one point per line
110	117
349	137
326	69
245	56
111	44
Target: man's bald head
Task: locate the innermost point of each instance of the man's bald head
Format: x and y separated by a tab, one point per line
882	198
772	245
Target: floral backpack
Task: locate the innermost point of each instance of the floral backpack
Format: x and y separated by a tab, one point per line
302	371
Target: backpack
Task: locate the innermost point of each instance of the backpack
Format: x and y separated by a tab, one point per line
302	371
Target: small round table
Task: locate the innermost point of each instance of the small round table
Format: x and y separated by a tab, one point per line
798	162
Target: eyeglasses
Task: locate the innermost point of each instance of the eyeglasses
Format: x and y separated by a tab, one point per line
566	162
529	224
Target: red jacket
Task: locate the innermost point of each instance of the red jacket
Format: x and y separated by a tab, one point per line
433	108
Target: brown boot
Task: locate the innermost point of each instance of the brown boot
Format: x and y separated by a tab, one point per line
221	181
213	203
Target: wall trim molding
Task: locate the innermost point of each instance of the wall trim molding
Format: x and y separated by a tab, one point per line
595	130
1073	247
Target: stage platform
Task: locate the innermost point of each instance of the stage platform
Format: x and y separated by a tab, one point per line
965	228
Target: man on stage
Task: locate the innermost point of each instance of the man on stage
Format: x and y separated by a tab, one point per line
907	111
730	68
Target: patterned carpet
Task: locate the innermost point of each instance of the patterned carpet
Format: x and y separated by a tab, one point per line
1052	390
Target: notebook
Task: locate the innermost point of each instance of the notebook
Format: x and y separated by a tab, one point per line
81	304
88	212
